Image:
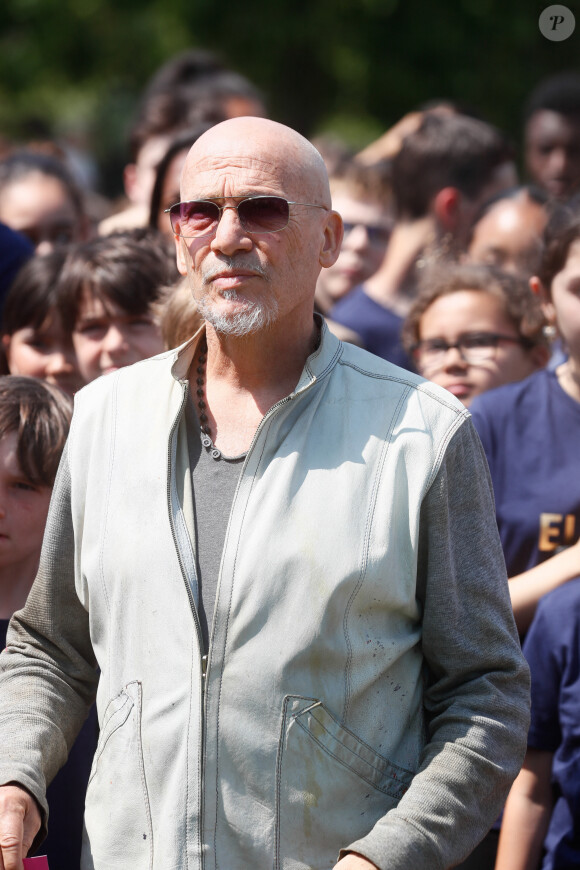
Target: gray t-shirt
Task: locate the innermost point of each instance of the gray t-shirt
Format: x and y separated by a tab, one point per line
214	484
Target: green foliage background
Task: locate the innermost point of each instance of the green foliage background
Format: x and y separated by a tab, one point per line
76	67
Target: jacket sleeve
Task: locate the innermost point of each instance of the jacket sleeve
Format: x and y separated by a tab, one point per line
48	674
476	690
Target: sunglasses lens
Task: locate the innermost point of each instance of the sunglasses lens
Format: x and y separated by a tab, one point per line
377	235
264	214
260	214
196	218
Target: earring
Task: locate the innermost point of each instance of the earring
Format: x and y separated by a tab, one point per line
549	332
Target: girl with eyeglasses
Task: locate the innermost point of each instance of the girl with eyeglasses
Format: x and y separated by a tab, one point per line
473	328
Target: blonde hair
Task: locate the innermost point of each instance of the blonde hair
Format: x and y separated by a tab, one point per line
177	315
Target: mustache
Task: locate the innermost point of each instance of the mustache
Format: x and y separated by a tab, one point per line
232	264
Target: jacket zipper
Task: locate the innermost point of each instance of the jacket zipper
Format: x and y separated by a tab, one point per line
204	658
262	423
191	602
175	541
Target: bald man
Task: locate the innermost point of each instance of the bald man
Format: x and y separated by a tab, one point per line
274	559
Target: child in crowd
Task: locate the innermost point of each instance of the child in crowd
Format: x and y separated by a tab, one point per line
34	341
40	199
34	423
530	433
363	198
508	231
441	175
531	430
552	135
108	292
473	328
191	88
541	824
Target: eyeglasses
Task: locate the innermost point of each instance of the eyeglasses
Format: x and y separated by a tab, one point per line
377	235
257	214
474	347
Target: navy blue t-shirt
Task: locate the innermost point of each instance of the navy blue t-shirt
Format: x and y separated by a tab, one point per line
530	432
15	250
66	793
552	648
378	327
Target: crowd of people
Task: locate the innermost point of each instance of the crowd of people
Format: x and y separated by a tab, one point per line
459	263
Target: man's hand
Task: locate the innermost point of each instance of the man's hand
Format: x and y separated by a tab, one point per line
19	824
352	861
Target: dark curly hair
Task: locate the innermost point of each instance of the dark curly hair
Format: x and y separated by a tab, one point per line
521	305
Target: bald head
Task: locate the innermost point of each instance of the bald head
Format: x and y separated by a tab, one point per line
257	147
238	274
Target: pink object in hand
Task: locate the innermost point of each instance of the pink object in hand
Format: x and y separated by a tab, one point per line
39	863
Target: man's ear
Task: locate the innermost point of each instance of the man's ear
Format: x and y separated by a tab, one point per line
332	240
538	288
446	206
181	254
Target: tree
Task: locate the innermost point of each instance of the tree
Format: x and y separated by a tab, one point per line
76	67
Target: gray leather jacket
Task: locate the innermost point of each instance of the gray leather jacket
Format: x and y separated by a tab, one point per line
364	690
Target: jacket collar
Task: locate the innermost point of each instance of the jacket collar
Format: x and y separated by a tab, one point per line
318	364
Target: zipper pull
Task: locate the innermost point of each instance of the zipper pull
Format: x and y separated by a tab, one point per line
203	666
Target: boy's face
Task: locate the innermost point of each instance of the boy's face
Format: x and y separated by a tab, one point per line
553	152
23	510
107	338
367	229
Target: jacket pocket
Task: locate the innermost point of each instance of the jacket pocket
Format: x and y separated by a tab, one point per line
331	787
118	828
